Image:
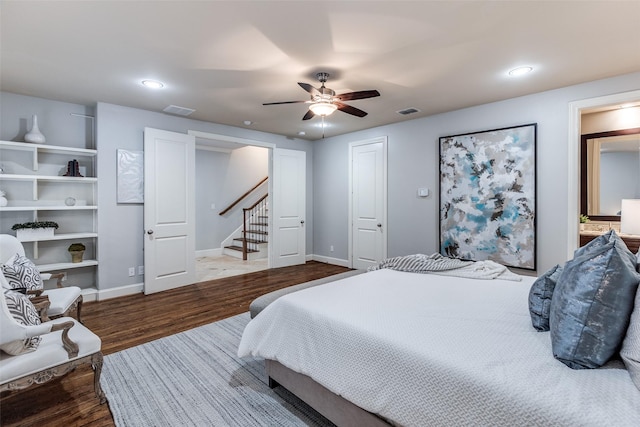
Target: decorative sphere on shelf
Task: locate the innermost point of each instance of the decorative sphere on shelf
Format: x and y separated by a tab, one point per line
70	201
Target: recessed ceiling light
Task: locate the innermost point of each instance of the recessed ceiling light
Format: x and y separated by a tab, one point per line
152	84
302	133
520	71
247	122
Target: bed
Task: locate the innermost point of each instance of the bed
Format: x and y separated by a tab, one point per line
424	349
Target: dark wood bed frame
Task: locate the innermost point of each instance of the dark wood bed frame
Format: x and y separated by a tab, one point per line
335	408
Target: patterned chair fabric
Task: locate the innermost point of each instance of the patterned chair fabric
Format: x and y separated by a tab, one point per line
65	300
63	345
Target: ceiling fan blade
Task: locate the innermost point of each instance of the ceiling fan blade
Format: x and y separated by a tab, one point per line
309	115
312	90
283	102
363	94
349	109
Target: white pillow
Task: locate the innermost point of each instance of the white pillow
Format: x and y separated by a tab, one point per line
21	272
25	313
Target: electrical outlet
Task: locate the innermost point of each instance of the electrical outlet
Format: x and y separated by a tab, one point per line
140	270
132	271
331	248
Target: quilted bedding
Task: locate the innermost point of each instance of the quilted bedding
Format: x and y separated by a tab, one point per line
437	350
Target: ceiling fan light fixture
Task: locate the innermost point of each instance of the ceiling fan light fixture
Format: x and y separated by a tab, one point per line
323	108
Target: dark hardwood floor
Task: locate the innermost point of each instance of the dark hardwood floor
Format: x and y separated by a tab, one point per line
132	320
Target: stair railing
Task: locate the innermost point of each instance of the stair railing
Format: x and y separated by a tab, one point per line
252	215
241	198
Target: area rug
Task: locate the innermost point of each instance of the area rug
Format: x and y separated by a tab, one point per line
195	378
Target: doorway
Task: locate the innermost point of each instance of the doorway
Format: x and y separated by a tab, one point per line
212	263
576	109
367	202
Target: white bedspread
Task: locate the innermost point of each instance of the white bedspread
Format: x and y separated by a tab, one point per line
430	350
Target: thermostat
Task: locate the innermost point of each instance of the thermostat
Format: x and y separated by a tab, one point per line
423	192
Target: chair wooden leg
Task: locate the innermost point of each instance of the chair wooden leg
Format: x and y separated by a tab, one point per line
79	309
96	363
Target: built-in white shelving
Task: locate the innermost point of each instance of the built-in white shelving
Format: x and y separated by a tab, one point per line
45	268
36	190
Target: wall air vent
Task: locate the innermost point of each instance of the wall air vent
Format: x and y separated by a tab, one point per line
178	111
408	111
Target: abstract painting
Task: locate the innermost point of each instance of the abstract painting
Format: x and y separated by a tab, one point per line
488	196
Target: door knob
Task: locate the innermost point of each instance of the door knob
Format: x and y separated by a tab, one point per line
302	222
149	232
379	225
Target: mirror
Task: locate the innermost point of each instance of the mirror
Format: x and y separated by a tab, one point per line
610	172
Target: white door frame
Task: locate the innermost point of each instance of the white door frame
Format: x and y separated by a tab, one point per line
200	135
383	140
576	109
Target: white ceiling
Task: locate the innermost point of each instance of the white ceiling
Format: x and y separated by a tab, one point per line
225	58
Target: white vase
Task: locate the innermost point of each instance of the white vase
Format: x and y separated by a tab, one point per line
3	201
34	135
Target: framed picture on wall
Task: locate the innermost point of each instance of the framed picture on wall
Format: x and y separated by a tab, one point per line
130	176
488	196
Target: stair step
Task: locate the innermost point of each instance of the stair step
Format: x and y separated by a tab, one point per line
257	232
239	249
240	239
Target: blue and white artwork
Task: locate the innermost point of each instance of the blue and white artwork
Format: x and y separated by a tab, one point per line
488	196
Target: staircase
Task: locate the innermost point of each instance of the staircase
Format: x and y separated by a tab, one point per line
256	238
250	241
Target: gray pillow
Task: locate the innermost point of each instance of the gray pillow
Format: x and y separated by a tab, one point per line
592	305
540	298
596	243
631	345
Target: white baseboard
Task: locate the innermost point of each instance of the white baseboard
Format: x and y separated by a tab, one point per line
329	260
120	291
89	295
209	252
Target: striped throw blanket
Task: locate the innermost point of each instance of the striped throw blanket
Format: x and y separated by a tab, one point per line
438	264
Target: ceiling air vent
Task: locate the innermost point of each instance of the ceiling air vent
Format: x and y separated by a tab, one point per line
408	111
179	111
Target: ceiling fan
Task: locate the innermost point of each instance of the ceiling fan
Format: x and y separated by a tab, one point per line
324	101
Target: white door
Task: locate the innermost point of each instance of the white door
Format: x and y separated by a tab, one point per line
169	210
368	204
288	204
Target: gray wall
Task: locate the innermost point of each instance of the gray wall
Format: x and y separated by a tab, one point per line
121	226
619	179
413	163
220	179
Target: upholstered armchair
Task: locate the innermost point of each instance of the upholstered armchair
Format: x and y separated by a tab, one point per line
61	345
64	300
